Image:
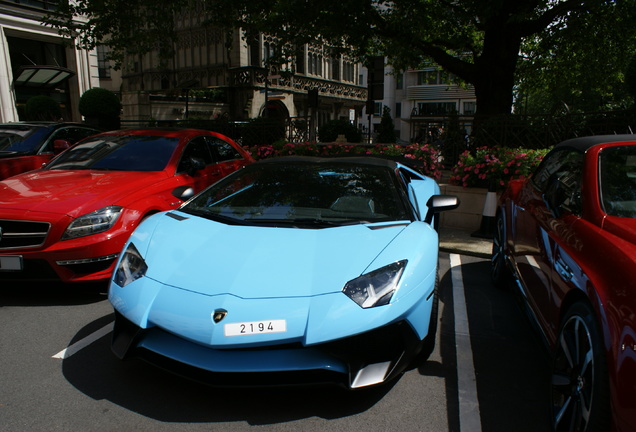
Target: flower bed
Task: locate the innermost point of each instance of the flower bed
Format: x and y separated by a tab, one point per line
424	157
494	166
487	166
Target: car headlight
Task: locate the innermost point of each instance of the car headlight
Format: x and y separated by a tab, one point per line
131	267
93	223
377	287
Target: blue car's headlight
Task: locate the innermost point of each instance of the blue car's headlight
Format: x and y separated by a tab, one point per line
131	267
377	287
92	223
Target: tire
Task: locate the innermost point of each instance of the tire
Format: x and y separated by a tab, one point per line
499	272
579	387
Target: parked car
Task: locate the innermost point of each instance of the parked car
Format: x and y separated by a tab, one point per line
28	146
289	271
567	236
69	220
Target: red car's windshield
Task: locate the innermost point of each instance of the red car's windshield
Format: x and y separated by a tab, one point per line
118	153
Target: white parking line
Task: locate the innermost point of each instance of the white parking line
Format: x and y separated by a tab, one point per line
469	417
83	343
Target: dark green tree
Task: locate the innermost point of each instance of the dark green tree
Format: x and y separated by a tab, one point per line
630	77
479	41
579	65
386	132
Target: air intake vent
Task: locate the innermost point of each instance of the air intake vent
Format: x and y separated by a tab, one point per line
22	234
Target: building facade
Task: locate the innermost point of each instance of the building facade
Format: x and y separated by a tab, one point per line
35	60
420	102
214	74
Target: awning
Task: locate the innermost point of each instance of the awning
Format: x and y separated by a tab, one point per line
42	76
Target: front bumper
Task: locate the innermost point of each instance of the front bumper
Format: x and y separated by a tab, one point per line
358	361
84	259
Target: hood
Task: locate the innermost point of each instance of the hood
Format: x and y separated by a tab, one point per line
71	192
211	258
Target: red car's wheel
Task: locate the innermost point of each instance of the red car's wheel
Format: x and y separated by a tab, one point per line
499	273
580	390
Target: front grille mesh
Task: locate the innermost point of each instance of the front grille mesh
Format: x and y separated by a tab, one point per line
22	234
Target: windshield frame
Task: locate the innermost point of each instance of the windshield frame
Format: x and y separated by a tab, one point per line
304	195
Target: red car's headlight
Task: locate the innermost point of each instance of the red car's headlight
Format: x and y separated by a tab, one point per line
93	223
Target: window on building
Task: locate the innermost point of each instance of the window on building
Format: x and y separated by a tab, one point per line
254	50
377	108
350	71
335	69
398	110
50	5
314	64
399	81
436	108
300	60
427	77
103	65
470	108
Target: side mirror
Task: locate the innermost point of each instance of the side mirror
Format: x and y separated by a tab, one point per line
59	145
183	193
439	203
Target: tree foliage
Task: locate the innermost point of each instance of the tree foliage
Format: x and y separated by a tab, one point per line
579	65
479	41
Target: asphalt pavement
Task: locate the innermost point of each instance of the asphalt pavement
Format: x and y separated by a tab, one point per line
464	242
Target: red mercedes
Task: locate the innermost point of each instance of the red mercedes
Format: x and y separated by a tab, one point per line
567	236
69	220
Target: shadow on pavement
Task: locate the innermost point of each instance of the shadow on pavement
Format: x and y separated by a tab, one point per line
142	388
51	293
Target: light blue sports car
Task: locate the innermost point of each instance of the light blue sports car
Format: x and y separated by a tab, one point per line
288	271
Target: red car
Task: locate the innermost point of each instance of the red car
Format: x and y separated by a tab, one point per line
69	221
567	236
28	146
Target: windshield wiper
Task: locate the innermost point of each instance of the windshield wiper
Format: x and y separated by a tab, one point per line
305	222
213	216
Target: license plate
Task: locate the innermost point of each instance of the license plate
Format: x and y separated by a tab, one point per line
10	263
255	327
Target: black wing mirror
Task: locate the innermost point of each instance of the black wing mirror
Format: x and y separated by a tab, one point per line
184	193
439	203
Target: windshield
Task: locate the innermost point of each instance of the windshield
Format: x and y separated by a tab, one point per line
118	153
21	139
303	195
618	180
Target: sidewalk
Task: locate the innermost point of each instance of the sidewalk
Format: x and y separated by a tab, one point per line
460	241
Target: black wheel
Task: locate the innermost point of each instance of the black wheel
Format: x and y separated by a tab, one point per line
499	273
580	388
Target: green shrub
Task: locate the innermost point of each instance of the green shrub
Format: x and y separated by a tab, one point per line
42	108
99	102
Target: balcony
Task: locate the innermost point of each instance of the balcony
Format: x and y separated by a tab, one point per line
255	77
